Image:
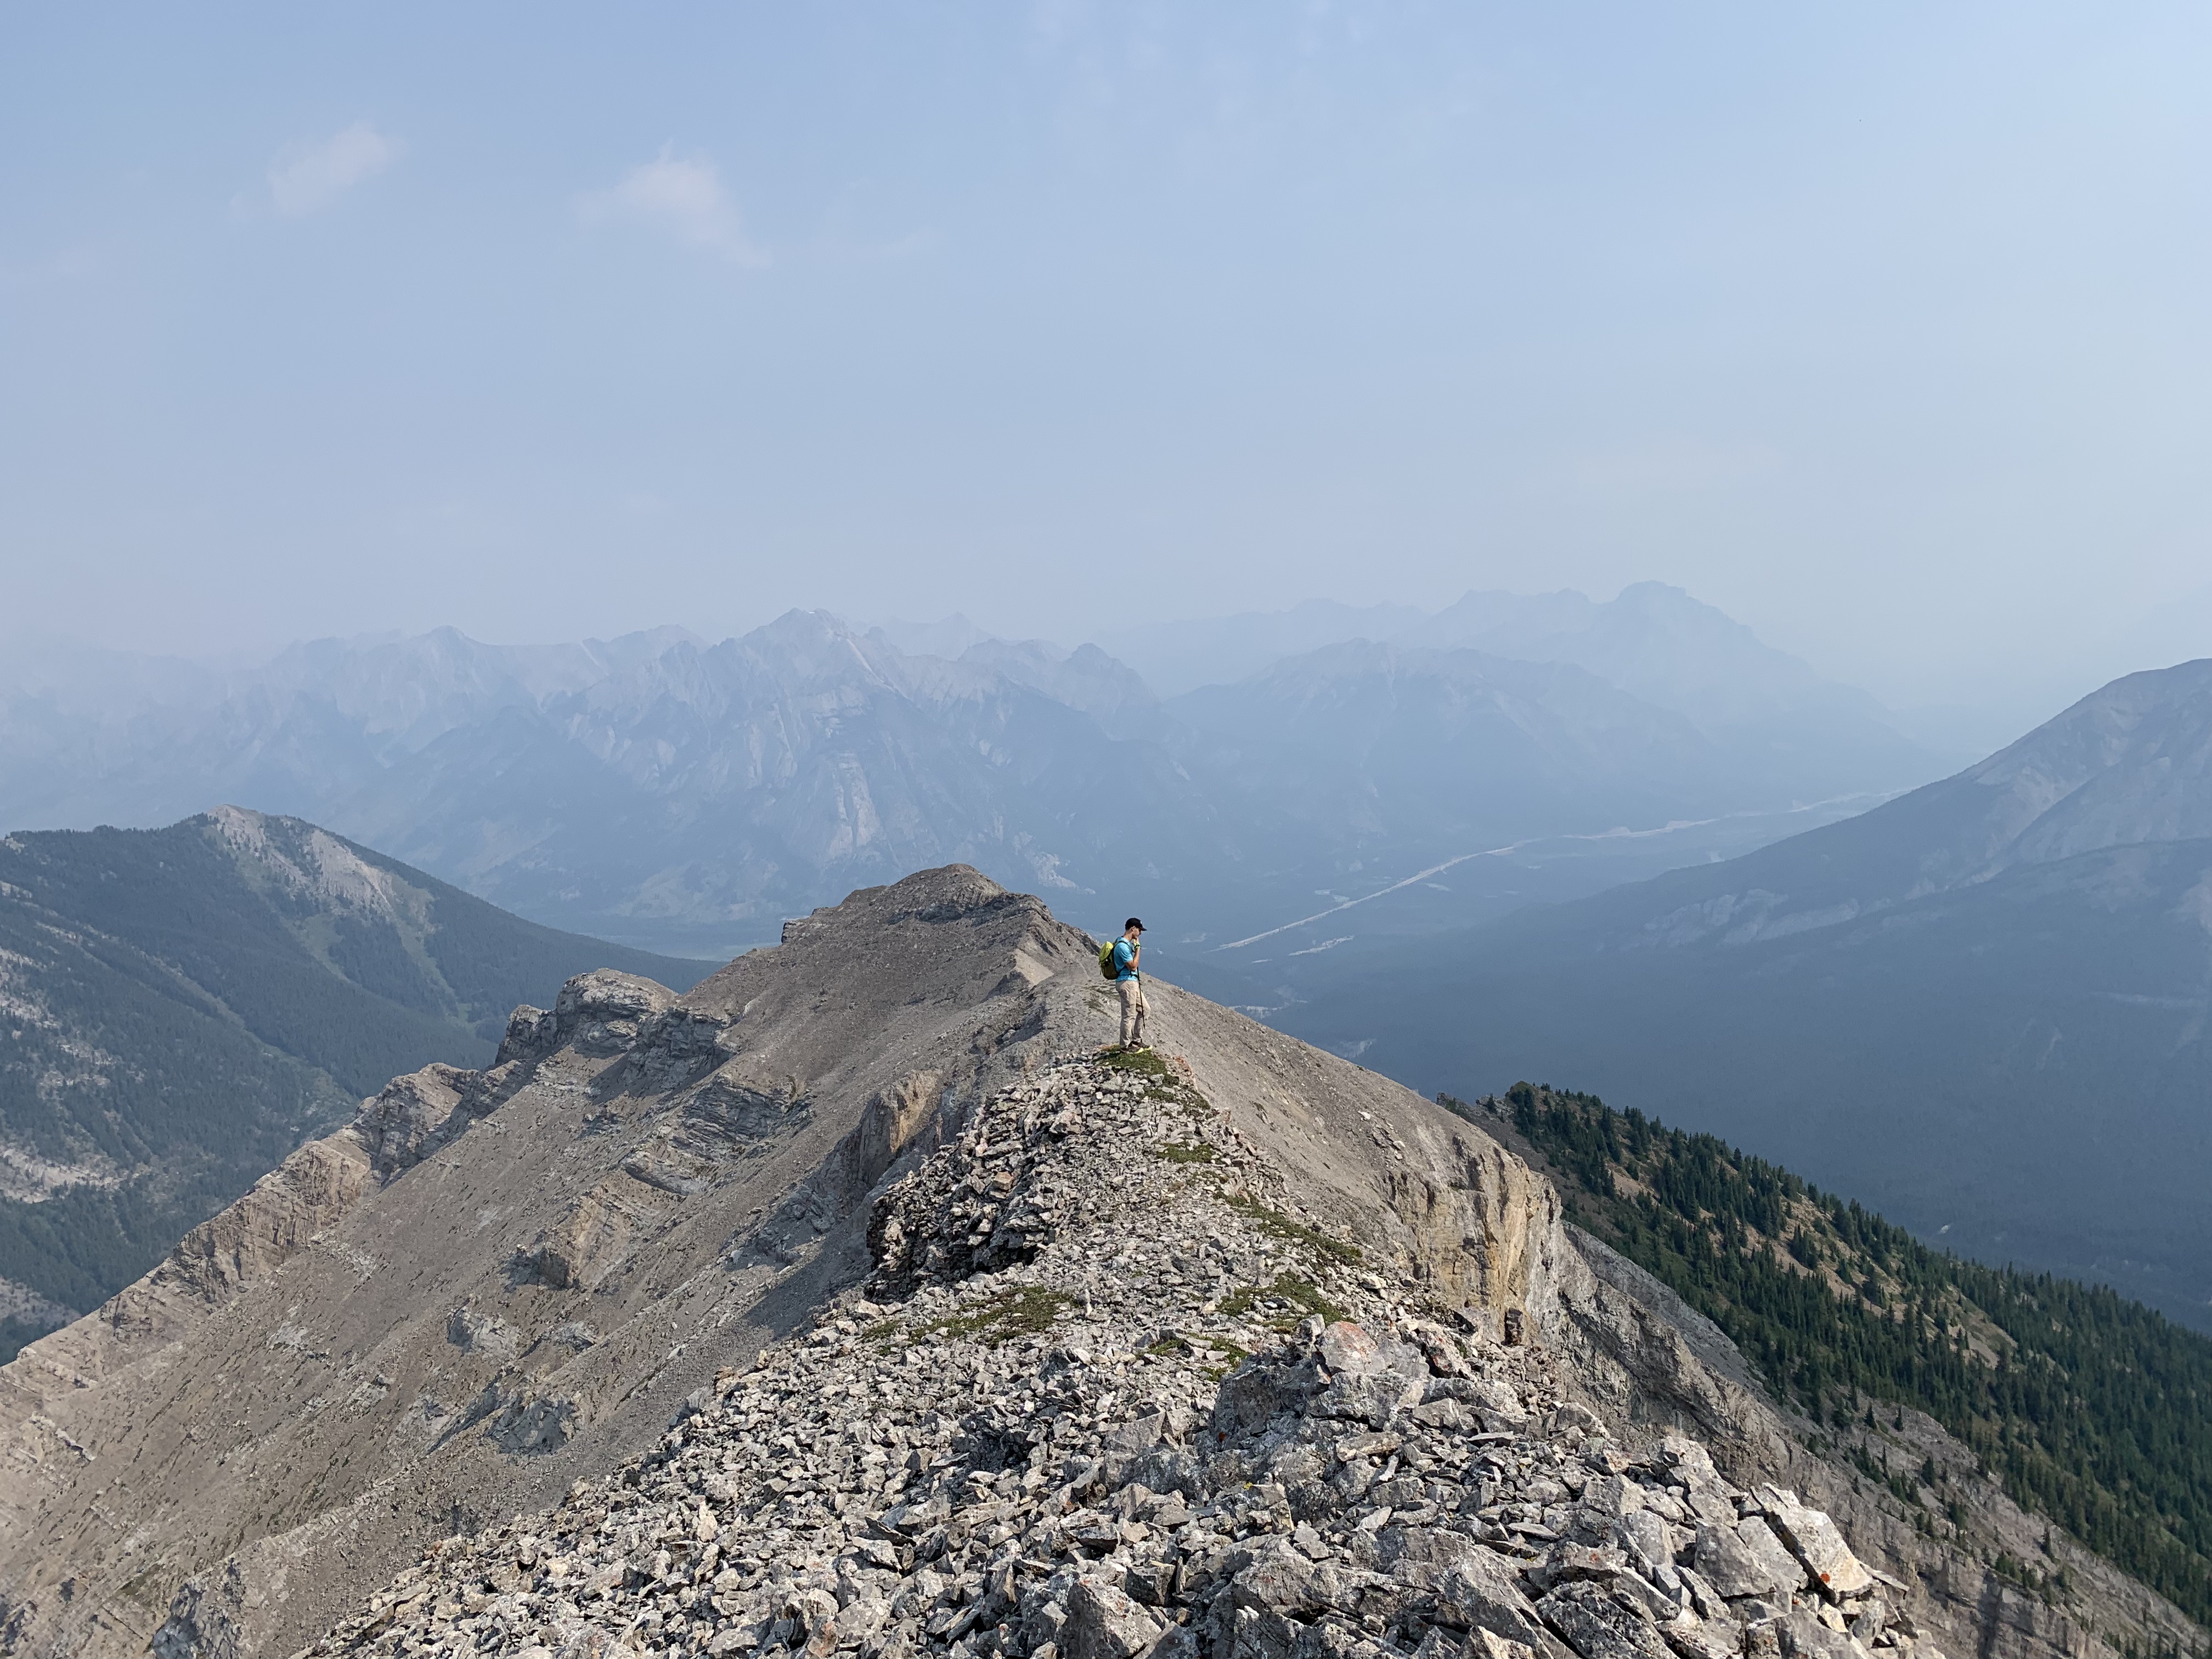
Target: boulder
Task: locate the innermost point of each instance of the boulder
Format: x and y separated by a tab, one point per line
1689	1462
1372	1397
1697	1639
1597	1627
1255	1394
1612	1497
1262	1633
1804	1637
1348	1350
1479	1591
1643	1536
1729	1564
1487	1645
1816	1542
1282	1579
1105	1623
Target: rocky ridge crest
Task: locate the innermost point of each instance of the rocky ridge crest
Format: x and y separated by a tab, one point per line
494	1284
1110	1391
881	1156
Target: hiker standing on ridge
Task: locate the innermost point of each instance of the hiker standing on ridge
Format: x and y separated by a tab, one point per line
1130	983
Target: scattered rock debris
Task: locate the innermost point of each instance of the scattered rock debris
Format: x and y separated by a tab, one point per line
1108	1395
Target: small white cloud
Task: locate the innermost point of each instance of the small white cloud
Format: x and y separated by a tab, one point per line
683	198
315	176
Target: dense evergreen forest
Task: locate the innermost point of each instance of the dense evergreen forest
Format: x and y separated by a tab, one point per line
2092	1409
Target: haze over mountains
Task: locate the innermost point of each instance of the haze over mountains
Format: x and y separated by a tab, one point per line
1311	838
180	1008
463	1303
1983	1008
688	796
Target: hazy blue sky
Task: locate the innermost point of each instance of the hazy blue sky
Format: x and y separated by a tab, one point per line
1883	327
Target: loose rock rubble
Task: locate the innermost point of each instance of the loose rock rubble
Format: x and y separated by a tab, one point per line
1109	1395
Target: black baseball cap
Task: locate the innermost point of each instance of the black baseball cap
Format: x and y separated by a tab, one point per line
1133	922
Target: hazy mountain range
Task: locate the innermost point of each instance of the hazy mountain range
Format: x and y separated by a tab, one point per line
1329	835
1982	1007
689	796
180	1008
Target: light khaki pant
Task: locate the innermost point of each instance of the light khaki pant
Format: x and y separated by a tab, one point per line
1132	1010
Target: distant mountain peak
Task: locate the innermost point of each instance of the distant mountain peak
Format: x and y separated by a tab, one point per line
948	638
2131	763
307	861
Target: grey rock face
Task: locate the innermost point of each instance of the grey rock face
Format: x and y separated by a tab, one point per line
1746	1559
1105	1623
1816	1542
1598	1627
1025	1455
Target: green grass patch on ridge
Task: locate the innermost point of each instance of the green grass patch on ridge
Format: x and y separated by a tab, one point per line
1303	1297
1145	1062
1028	1312
1190	1152
1274	1222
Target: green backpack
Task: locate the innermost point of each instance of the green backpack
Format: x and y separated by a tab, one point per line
1107	966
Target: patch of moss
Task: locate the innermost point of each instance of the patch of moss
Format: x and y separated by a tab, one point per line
1192	1151
1163	1082
1240	1303
1235	1357
1175	1345
1028	1312
883	1332
1304	1297
1145	1062
1281	1226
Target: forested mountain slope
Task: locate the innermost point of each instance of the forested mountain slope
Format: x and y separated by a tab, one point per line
1984	1008
180	1008
2089	1408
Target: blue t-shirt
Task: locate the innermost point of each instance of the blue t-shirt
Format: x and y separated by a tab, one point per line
1124	954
